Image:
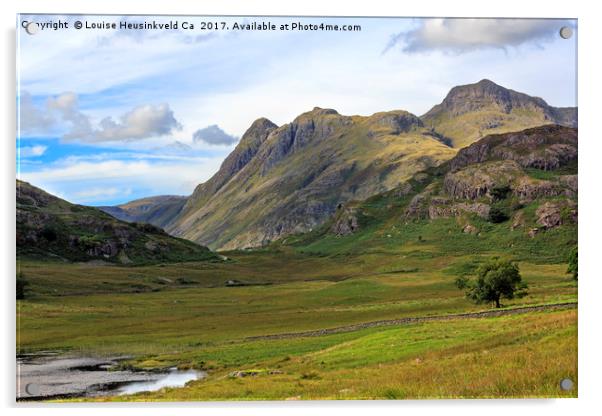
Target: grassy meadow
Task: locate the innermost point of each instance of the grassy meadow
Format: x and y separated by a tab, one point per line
186	315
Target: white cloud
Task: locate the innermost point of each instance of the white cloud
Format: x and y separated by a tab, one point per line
32	151
32	119
214	135
100	194
141	122
67	107
462	35
79	181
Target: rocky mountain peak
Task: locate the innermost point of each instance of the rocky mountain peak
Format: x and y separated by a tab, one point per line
472	97
470	112
258	131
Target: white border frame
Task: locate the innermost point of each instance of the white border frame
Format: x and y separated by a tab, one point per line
589	73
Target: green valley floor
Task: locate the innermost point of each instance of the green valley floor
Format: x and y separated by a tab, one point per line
220	317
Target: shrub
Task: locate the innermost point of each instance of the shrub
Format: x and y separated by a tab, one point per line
497	215
500	192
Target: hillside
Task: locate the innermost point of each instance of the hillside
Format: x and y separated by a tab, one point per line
516	191
51	228
156	210
286	179
472	111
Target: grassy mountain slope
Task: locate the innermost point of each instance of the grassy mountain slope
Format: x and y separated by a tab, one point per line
472	111
281	180
156	210
51	228
515	192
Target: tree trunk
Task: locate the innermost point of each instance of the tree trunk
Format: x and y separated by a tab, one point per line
497	302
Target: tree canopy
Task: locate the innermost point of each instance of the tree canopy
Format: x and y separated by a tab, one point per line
496	279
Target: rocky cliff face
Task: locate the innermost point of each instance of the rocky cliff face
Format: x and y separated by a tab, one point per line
48	226
470	112
296	174
547	148
496	177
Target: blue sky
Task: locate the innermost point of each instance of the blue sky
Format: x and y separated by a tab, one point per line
110	116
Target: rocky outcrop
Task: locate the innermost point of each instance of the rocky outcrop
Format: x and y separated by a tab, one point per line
554	214
441	208
546	147
427	205
418	208
347	222
528	189
477	181
571	183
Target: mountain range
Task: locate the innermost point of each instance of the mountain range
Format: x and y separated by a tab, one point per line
290	179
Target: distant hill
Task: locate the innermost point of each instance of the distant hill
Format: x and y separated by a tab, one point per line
50	227
472	111
156	210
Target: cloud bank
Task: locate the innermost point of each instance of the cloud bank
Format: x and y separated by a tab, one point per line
214	135
141	122
464	35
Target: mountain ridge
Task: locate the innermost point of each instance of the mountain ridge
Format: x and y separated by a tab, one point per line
321	158
289	179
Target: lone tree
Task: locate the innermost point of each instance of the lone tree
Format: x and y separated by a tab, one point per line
496	279
573	263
